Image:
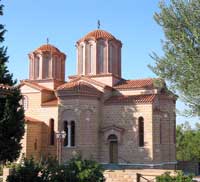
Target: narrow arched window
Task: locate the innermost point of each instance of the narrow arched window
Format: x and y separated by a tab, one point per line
101	49
52	132
37	67
111	58
35	144
141	131
89	58
72	133
80	60
47	66
66	131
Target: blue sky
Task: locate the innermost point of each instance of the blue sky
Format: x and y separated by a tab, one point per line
30	22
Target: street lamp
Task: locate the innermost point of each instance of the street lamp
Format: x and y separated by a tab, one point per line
60	135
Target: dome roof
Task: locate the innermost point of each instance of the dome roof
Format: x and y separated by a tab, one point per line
49	48
98	34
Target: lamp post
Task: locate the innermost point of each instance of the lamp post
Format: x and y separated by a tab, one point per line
60	135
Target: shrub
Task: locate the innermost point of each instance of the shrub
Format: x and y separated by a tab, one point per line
179	177
28	171
77	170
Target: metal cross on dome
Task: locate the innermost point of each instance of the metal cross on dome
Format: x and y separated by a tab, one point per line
47	40
98	24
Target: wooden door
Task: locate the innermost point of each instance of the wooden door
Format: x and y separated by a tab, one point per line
113	152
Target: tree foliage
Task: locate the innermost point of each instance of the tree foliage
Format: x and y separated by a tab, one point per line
5	76
77	170
179	177
180	64
187	143
11	112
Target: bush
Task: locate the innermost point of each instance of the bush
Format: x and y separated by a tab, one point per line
179	177
28	171
84	171
77	170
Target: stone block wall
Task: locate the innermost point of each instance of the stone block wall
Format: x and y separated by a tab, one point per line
85	113
126	117
164	127
129	175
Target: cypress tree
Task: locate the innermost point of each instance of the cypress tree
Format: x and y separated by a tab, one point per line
11	111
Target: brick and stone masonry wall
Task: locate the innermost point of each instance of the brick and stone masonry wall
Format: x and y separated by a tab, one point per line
126	117
85	113
164	127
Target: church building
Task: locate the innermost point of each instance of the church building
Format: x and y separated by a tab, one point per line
104	117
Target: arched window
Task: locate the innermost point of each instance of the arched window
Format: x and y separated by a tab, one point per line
80	60
101	48
72	133
89	59
111	58
141	131
52	132
47	66
35	144
66	131
25	102
37	67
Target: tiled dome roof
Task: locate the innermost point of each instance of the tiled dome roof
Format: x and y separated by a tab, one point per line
48	47
98	34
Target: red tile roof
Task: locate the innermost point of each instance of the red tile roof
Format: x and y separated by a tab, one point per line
98	34
128	84
79	87
53	102
89	80
48	47
35	85
32	120
136	99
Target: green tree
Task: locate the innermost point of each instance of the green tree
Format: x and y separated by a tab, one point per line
77	170
180	64
11	112
187	143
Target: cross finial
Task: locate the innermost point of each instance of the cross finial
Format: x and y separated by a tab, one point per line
99	24
47	40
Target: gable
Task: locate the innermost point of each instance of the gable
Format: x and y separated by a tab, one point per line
27	89
99	86
80	88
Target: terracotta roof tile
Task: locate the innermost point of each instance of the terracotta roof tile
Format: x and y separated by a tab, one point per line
137	99
35	85
32	120
53	102
98	34
79	87
143	83
48	47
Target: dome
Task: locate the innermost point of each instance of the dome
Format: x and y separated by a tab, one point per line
49	48
98	34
